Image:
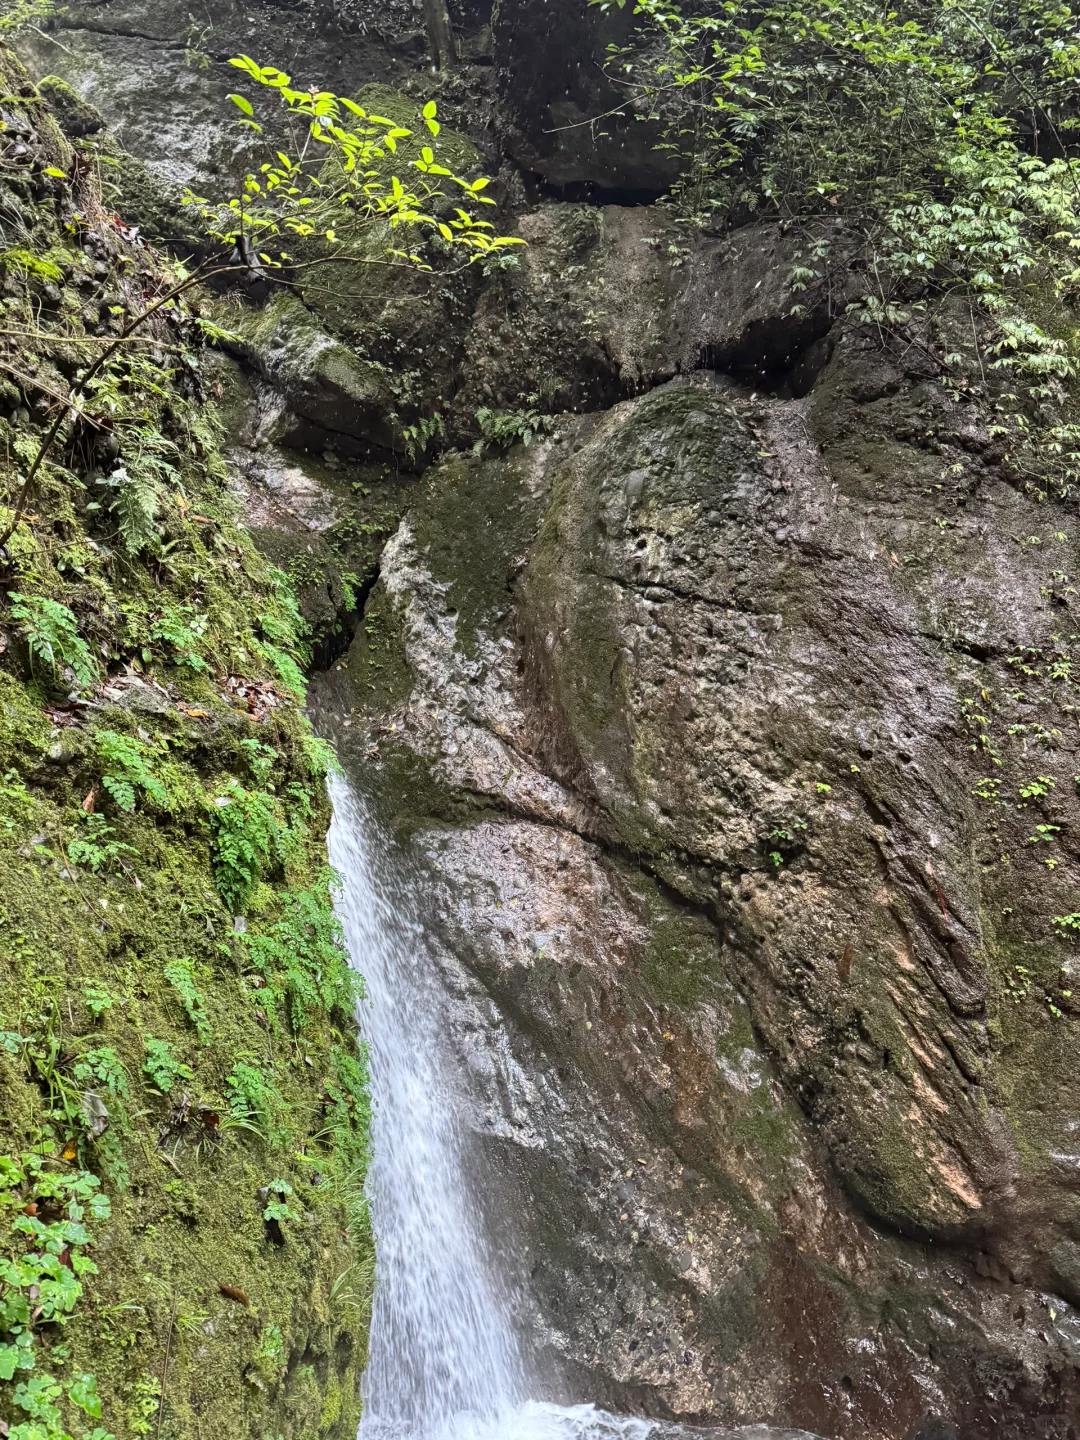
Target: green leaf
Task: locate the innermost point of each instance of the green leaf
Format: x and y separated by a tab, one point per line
242	103
82	1390
12	1358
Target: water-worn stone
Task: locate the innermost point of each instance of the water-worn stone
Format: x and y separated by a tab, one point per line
749	648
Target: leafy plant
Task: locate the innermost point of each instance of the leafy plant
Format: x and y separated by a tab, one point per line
184	628
1037	789
320	755
302	957
277	1205
944	139
261	758
254	1102
129	769
144	1405
163	1065
420	435
95	846
97	999
196	38
507	427
180	974
289	672
42	1266
103	1067
339	174
133	499
248	833
26	263
52	634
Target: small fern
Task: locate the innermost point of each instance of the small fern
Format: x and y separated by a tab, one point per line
95	846
506	427
248	835
255	1103
129	770
26	263
302	957
289	672
52	634
135	507
163	1065
134	489
182	627
180	974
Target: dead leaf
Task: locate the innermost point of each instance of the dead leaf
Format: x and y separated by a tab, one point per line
234	1293
95	1113
88	803
843	970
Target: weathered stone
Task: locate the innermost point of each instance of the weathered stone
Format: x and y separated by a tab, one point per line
759	669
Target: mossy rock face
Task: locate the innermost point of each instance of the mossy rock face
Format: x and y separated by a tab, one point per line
322	379
177	1016
76	117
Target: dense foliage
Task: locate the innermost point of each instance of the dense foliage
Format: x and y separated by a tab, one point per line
933	146
339	167
175	1004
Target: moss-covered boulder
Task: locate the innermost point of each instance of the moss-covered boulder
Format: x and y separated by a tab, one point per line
780	681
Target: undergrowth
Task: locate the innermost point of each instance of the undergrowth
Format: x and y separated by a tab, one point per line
176	1011
927	157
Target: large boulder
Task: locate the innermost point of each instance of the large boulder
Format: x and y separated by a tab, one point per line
763	652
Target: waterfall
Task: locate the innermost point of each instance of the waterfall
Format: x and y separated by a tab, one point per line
445	1363
442	1347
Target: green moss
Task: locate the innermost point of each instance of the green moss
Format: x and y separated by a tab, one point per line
76	117
114	928
473	524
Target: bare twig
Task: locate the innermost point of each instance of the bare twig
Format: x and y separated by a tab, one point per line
165	1370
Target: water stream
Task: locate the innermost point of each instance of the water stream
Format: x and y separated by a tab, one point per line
445	1363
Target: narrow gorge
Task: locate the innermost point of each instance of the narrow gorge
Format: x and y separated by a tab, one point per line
658	610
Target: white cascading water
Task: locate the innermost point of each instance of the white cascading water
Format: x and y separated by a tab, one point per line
445	1363
442	1349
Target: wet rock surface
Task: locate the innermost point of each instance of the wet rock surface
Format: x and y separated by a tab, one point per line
695	689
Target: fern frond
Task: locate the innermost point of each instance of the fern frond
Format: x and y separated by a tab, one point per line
135	507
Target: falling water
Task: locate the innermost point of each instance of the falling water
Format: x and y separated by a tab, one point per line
442	1347
445	1362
